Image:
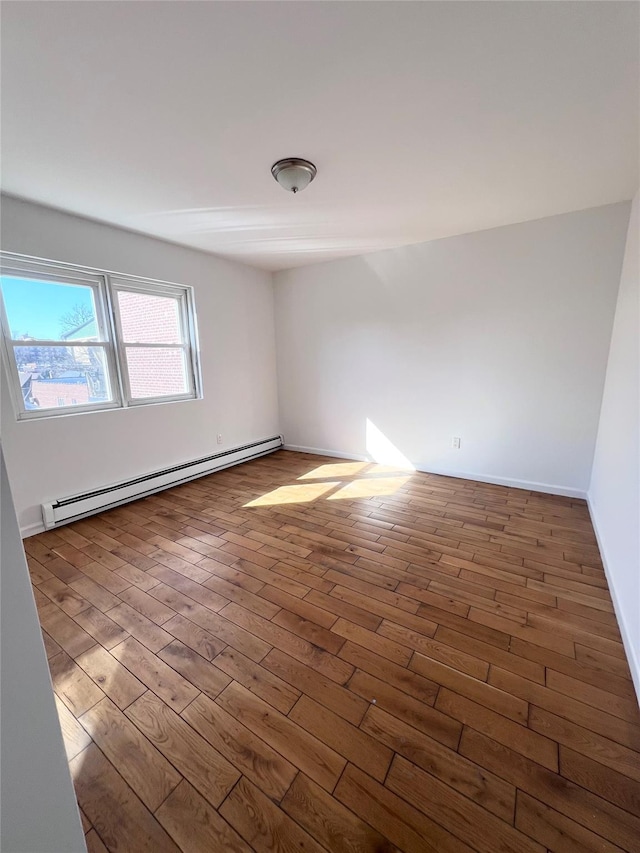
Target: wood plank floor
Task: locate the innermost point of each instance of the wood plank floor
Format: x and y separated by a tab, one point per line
301	653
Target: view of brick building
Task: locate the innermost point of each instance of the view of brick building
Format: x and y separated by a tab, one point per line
151	319
63	391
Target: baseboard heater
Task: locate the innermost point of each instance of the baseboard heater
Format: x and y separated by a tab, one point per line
65	510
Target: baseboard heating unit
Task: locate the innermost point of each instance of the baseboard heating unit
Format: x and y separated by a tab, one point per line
65	510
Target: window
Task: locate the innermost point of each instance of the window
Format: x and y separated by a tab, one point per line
81	340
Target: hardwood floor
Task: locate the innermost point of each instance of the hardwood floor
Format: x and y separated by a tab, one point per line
309	654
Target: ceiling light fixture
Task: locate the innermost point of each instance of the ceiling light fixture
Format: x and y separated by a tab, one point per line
293	173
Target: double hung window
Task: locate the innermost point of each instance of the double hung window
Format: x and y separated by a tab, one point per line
83	340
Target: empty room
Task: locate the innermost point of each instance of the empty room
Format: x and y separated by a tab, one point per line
320	426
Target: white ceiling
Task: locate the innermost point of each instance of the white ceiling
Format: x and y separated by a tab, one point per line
425	119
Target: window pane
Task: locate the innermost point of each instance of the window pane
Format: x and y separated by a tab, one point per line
49	311
149	319
62	376
155	372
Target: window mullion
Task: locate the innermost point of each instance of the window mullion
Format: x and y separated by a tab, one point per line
188	353
117	351
42	342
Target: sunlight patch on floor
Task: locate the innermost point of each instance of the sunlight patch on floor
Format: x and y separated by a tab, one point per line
303	493
369	488
352	479
386	469
335	469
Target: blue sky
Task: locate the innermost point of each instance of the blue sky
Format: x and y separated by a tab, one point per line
35	307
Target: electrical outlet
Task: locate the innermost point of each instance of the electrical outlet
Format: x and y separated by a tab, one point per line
219	438
455	442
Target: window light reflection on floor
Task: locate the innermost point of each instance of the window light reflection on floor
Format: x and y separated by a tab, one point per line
336	469
302	493
363	479
369	488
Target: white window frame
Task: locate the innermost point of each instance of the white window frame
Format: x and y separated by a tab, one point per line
181	296
105	286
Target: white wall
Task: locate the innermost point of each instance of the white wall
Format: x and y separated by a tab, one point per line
39	808
499	337
614	494
60	456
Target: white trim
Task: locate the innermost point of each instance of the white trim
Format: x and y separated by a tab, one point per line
316	451
83	268
26	267
41	342
527	485
532	486
633	655
32	529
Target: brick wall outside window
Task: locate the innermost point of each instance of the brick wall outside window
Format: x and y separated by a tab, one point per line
148	318
50	393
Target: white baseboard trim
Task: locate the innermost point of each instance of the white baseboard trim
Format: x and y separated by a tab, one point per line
546	488
317	451
32	529
633	654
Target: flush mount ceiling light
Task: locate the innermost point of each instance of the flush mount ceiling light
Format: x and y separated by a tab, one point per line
293	173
